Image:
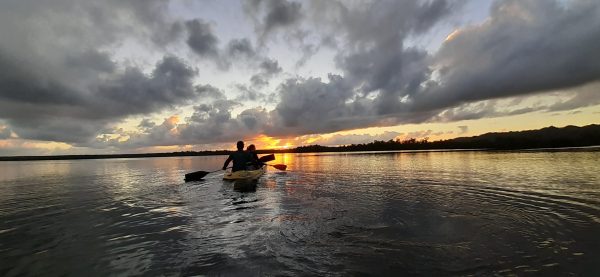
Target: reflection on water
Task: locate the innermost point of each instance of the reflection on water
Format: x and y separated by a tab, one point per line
418	213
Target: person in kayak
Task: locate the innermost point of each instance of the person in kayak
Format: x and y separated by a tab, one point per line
255	163
240	158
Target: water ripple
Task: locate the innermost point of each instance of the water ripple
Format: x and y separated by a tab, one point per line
464	213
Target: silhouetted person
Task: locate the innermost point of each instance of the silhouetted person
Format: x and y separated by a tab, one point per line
255	163
240	158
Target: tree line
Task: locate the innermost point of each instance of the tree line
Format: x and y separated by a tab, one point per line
550	137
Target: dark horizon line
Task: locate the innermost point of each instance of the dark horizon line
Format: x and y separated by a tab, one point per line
552	138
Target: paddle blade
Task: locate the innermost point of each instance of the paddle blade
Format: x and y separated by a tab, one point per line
280	166
195	176
267	158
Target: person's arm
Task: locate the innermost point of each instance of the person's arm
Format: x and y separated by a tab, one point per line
229	159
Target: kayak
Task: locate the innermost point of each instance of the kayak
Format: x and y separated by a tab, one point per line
245	174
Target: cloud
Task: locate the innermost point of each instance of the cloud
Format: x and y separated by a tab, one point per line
463	129
240	48
4	132
421	134
583	97
92	60
375	57
210	123
201	38
249	94
386	83
135	93
59	78
46	109
15	147
208	92
525	47
268	69
340	139
271	15
73	21
309	106
146	124
378	70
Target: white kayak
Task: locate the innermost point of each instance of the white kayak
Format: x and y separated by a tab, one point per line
245	174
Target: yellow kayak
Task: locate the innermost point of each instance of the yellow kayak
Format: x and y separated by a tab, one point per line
245	174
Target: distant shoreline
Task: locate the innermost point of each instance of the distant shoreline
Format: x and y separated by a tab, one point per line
569	138
278	151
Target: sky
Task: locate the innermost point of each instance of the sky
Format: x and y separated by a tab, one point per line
131	76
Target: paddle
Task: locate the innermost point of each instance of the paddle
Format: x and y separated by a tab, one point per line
269	158
198	175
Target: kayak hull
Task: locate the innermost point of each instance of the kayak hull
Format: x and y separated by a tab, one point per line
245	174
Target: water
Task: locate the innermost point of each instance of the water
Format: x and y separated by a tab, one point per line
431	213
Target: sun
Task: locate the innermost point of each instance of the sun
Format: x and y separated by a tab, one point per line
267	142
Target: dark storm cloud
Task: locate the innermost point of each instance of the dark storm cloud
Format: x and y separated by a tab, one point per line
20	85
526	47
36	110
312	106
58	128
281	13
90	60
430	14
58	84
378	69
201	38
135	93
273	14
377	58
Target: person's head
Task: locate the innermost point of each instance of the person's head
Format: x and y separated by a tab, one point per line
240	145
251	147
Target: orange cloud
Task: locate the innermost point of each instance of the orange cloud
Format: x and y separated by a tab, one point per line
266	142
452	35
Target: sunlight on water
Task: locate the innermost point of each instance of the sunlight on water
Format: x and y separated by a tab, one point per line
419	213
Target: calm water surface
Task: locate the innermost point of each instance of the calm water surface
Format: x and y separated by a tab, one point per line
432	213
